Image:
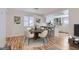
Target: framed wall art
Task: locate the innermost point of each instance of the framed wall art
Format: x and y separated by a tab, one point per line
17	19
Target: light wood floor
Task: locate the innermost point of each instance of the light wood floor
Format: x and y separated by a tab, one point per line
58	42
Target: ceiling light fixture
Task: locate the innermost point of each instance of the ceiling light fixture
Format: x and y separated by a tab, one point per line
36	8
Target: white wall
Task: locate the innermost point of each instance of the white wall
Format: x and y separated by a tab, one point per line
73	18
15	29
2	27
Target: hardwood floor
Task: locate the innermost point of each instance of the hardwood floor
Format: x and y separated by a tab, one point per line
15	42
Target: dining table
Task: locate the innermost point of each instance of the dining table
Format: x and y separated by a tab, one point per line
36	33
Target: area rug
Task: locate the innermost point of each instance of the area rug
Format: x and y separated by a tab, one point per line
36	43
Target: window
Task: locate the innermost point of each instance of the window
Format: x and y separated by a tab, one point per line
49	18
28	21
66	20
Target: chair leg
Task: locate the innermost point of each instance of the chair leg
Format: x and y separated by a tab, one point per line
28	41
43	41
46	39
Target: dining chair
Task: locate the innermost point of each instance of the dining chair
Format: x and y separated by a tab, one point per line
42	27
28	28
29	35
43	35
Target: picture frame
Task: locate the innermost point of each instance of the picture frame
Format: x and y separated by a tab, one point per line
38	20
17	19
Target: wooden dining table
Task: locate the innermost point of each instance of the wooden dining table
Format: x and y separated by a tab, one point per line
36	33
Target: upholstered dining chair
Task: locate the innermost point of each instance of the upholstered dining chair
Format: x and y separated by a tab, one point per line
28	28
29	35
43	35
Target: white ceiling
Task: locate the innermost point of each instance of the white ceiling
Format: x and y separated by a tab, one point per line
41	11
